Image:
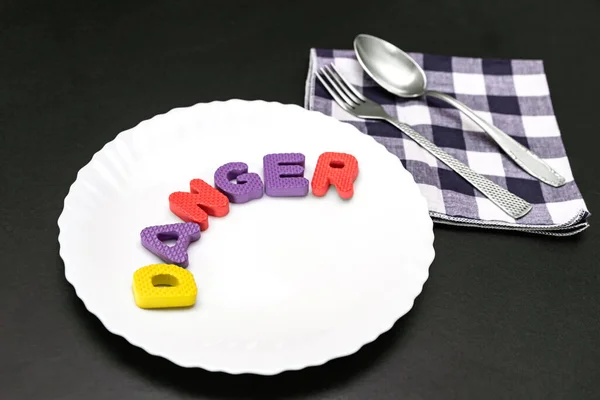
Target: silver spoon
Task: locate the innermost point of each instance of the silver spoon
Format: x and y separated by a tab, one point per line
398	73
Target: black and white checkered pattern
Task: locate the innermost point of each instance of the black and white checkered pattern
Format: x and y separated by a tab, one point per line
511	94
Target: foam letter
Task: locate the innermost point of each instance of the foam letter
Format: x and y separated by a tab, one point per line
284	175
185	233
164	286
338	169
204	200
248	187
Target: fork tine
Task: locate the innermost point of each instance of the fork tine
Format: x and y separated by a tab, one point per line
336	87
333	75
333	93
349	85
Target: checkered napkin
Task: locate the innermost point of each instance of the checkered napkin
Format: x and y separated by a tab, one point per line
511	94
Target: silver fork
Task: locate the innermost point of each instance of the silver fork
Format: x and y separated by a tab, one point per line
353	102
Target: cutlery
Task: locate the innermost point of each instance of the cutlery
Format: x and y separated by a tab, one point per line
353	102
398	73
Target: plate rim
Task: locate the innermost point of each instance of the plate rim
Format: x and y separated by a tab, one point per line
349	350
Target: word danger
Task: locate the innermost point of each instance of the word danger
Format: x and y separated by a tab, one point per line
170	285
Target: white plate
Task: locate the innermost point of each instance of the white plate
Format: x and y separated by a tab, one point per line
283	283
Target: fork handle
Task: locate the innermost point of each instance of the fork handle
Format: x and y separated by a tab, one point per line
513	205
521	155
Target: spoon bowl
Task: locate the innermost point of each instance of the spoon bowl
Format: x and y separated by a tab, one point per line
390	67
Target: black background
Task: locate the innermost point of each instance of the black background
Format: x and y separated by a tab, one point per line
502	316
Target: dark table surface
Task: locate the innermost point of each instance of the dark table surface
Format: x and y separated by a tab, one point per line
502	316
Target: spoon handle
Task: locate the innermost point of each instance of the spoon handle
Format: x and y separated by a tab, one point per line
521	155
